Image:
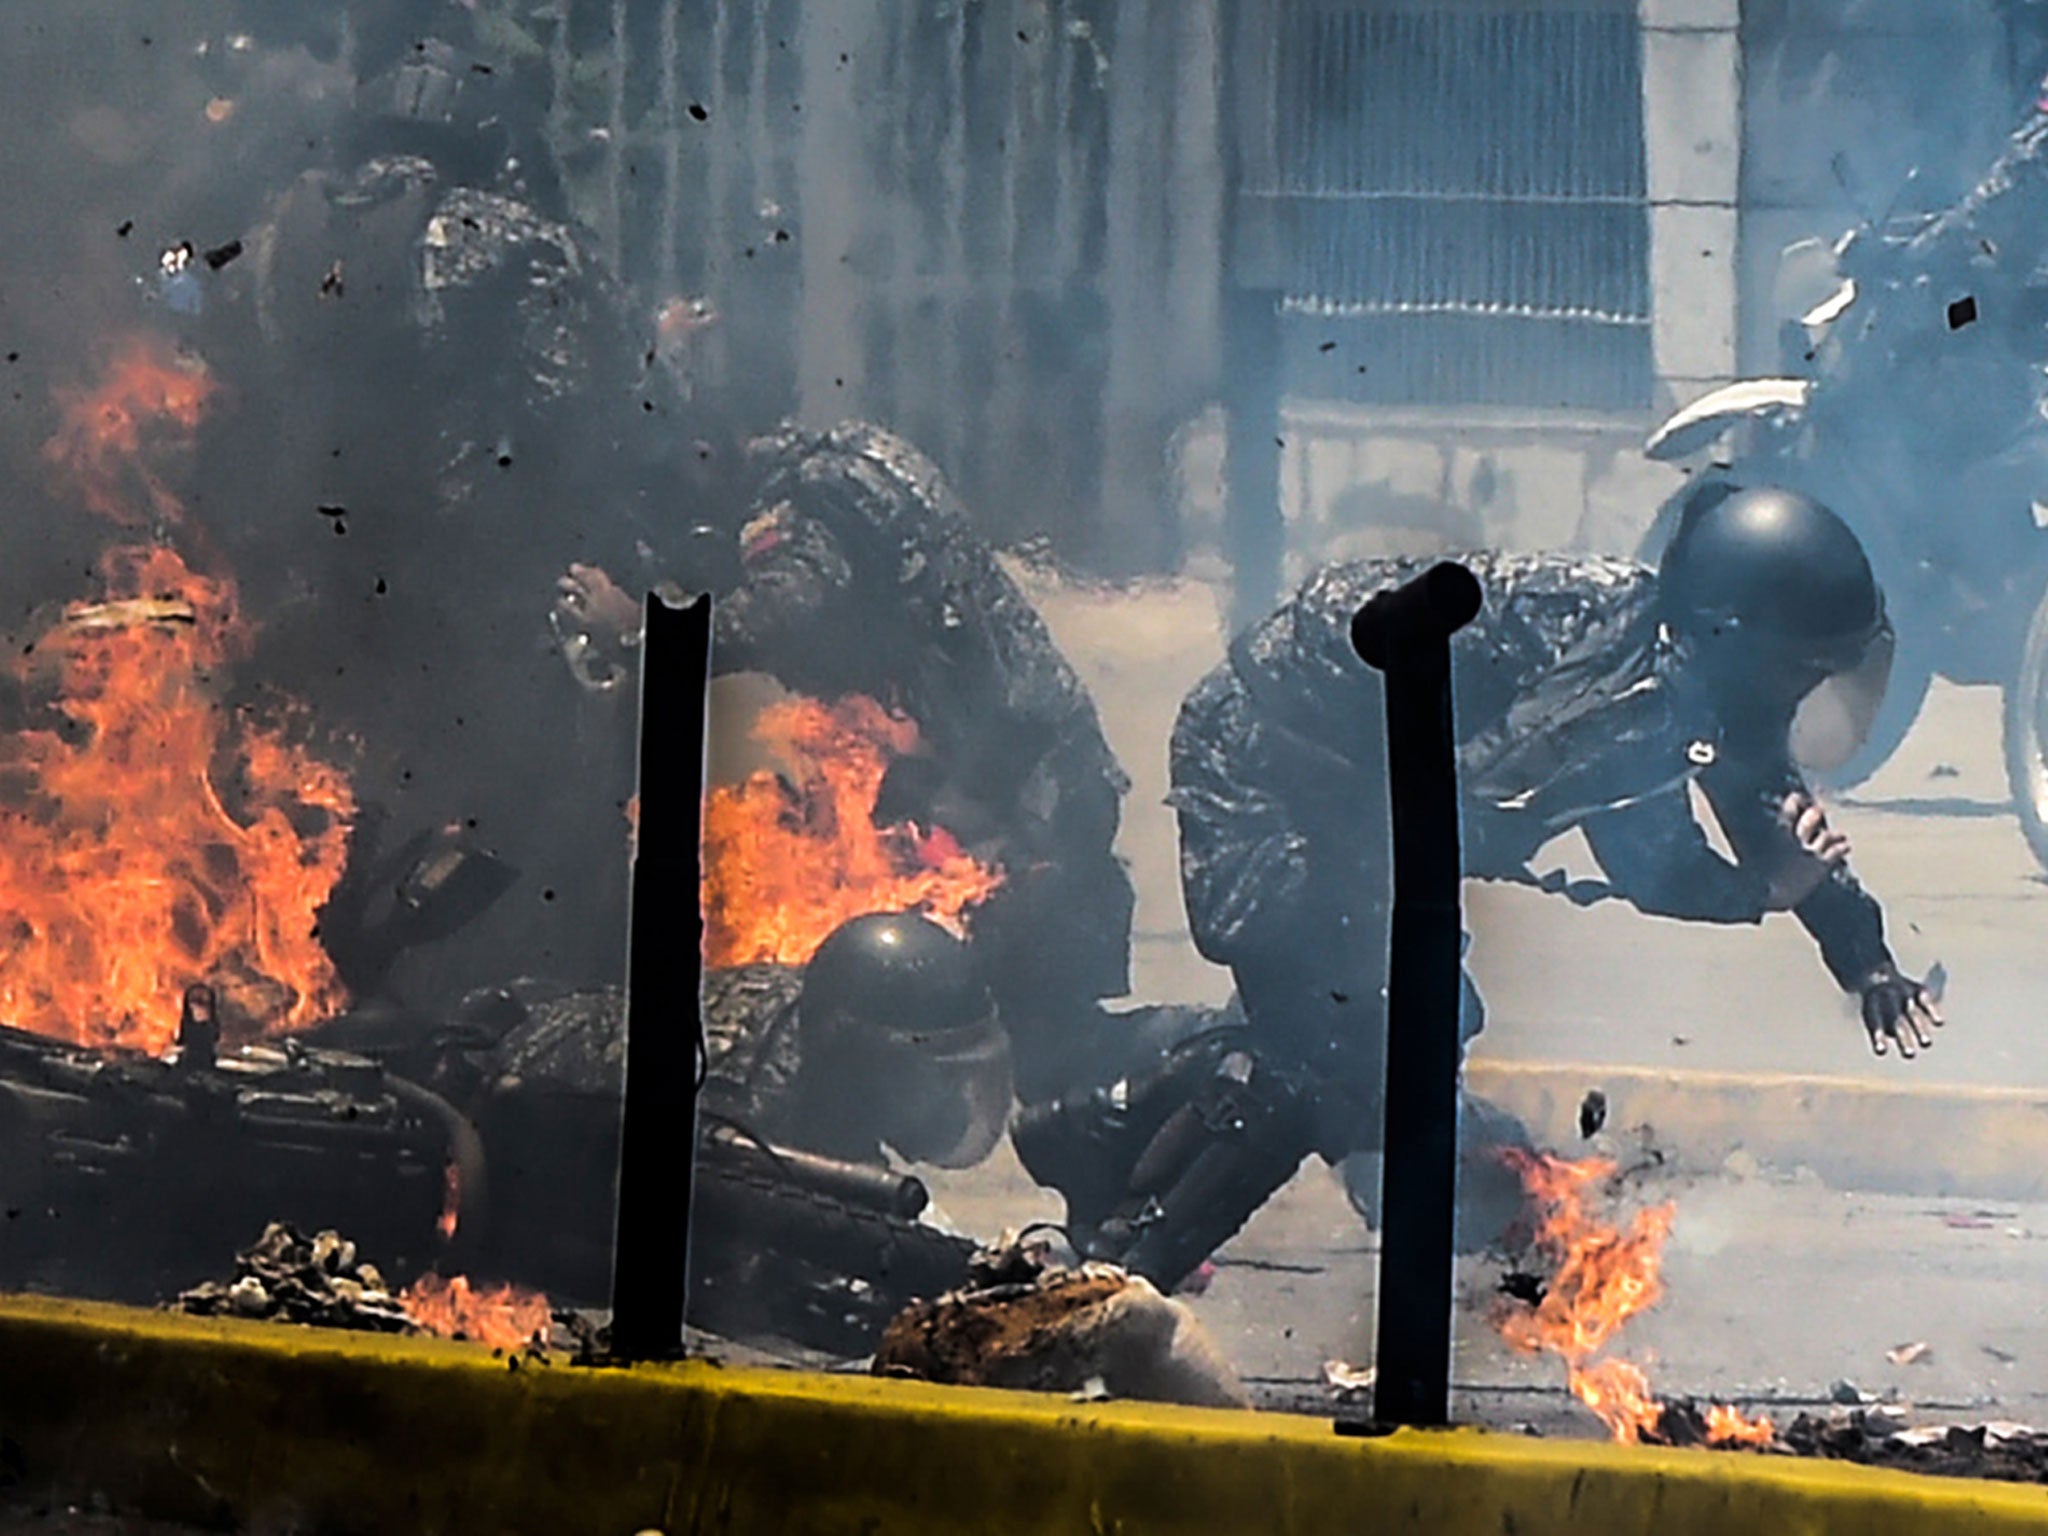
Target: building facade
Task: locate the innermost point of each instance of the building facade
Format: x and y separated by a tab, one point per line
1496	240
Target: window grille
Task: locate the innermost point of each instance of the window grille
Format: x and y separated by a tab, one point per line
1461	203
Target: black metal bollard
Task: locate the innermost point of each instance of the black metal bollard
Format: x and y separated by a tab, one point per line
1406	633
664	975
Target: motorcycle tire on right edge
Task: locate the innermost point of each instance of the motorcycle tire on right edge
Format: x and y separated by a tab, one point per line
2026	735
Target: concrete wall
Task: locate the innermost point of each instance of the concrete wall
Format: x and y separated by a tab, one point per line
1384	484
1692	128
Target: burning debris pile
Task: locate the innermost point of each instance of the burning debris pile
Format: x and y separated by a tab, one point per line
322	1282
287	1277
1604	1275
501	1316
788	859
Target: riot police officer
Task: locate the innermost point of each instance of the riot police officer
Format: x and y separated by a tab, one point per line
1589	693
853	569
887	1039
433	400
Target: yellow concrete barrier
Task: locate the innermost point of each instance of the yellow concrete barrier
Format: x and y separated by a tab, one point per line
1904	1138
257	1425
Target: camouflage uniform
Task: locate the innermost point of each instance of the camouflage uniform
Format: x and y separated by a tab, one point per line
449	375
1575	707
862	575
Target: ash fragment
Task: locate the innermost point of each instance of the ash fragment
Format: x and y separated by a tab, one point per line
1592	1114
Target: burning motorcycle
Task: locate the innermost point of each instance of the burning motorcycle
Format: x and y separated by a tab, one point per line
128	1174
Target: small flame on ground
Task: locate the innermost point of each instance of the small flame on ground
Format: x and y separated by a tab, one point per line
451	1203
150	839
787	860
497	1316
1605	1275
1728	1426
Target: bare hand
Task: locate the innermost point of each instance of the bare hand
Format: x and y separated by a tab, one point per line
1820	850
589	599
1898	1008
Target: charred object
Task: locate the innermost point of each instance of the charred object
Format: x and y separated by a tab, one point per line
1874	1438
321	1281
124	1174
1095	1331
389	902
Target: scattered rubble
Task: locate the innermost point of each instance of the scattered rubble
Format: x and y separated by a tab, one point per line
320	1282
287	1277
1877	1435
1875	1438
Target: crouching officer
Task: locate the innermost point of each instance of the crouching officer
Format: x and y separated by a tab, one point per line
1589	693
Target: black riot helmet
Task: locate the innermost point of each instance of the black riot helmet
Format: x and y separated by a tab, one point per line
900	1034
1776	597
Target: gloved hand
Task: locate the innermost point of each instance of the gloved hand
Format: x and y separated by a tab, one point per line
1898	1008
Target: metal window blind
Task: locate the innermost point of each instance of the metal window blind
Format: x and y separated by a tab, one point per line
1461	203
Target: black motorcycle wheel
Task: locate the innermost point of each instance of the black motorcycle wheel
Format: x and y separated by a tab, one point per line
2026	735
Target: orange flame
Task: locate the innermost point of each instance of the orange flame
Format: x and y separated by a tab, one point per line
787	862
149	839
1728	1426
451	1202
500	1316
150	400
1605	1275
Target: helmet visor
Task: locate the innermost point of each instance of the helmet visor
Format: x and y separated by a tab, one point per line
951	1102
1835	717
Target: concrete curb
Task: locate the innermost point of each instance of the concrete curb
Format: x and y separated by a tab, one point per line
255	1425
1909	1139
